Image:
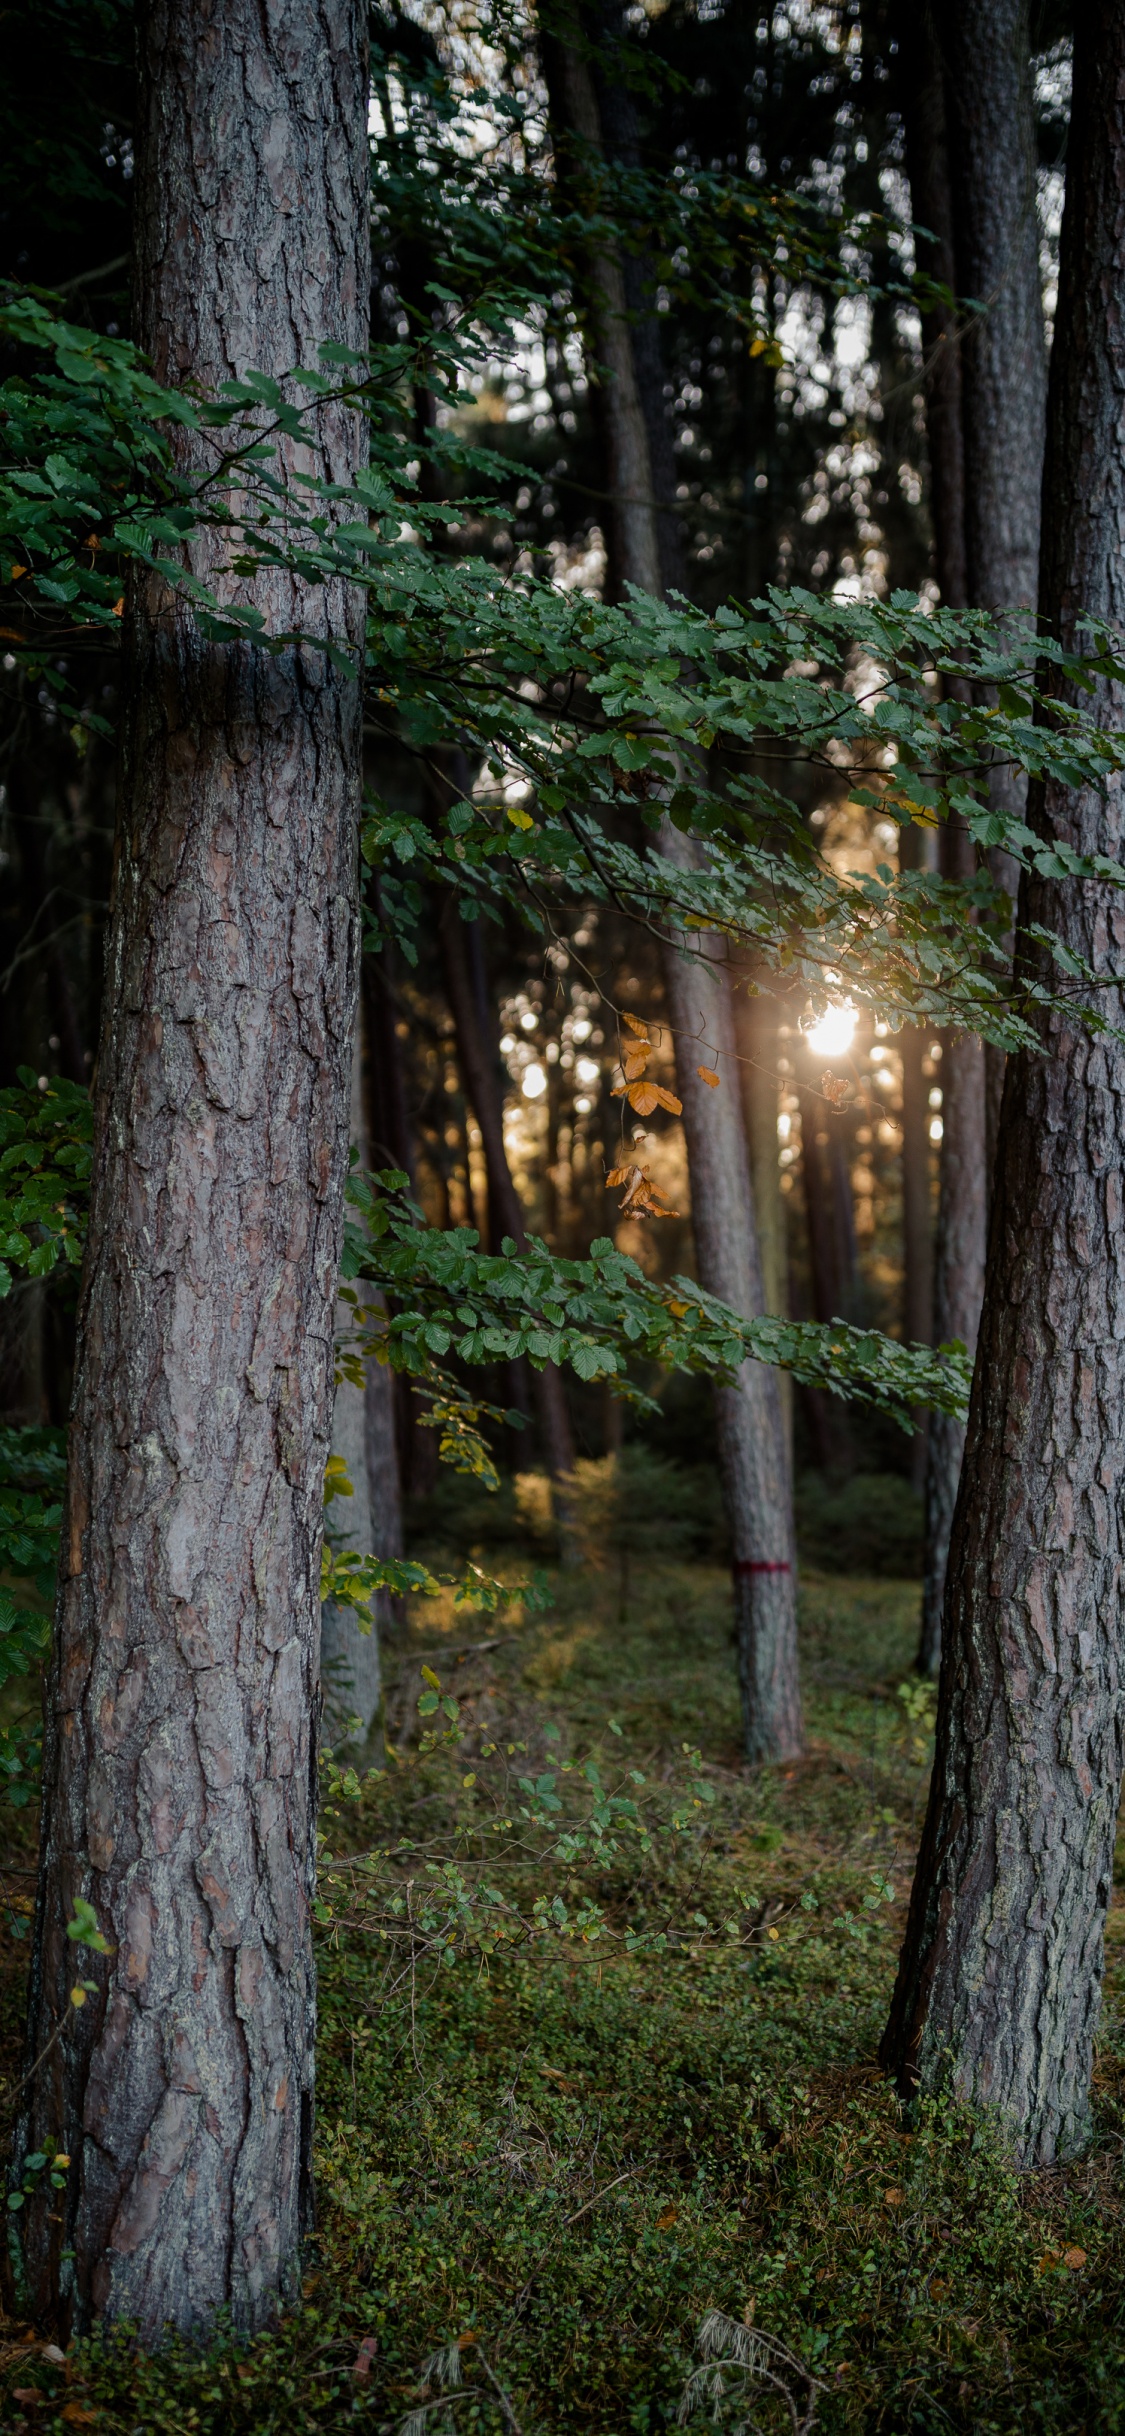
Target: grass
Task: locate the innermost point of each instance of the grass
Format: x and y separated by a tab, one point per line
549	2170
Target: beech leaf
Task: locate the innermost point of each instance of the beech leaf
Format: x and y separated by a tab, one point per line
708	1075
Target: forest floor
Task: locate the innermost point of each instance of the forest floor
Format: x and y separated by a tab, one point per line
548	2169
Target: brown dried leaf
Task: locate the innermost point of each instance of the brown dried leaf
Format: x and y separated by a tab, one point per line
635	1025
668	1100
1074	2259
708	1075
644	1097
668	2216
635	1060
618	1175
835	1088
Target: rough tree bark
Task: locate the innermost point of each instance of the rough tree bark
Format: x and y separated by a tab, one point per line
999	1983
180	1764
986	46
753	1454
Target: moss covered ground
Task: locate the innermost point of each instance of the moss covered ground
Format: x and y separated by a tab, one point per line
541	2176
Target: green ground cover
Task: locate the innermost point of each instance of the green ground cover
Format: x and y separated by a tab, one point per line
548	2169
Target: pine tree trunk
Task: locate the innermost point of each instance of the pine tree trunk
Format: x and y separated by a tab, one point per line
756	1027
991	118
830	1276
959	1241
917	1221
923	101
180	1763
753	1453
479	1060
350	1659
958	1291
999	1983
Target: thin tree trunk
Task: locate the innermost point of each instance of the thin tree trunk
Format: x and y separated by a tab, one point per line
756	1025
923	102
753	1455
999	1984
829	1273
180	1761
958	1291
960	1235
986	46
479	1059
917	1220
350	1658
390	1130
634	535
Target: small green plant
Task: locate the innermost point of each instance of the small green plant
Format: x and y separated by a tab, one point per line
919	1700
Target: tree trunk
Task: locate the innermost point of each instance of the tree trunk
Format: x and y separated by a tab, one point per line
181	1734
756	1026
830	1272
991	117
479	1060
369	1522
753	1455
958	1291
999	1984
917	1221
633	539
923	102
390	1131
959	1242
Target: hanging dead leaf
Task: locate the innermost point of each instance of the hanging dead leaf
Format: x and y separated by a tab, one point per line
644	1097
642	1198
618	1175
668	1100
635	1060
708	1075
835	1088
635	1025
